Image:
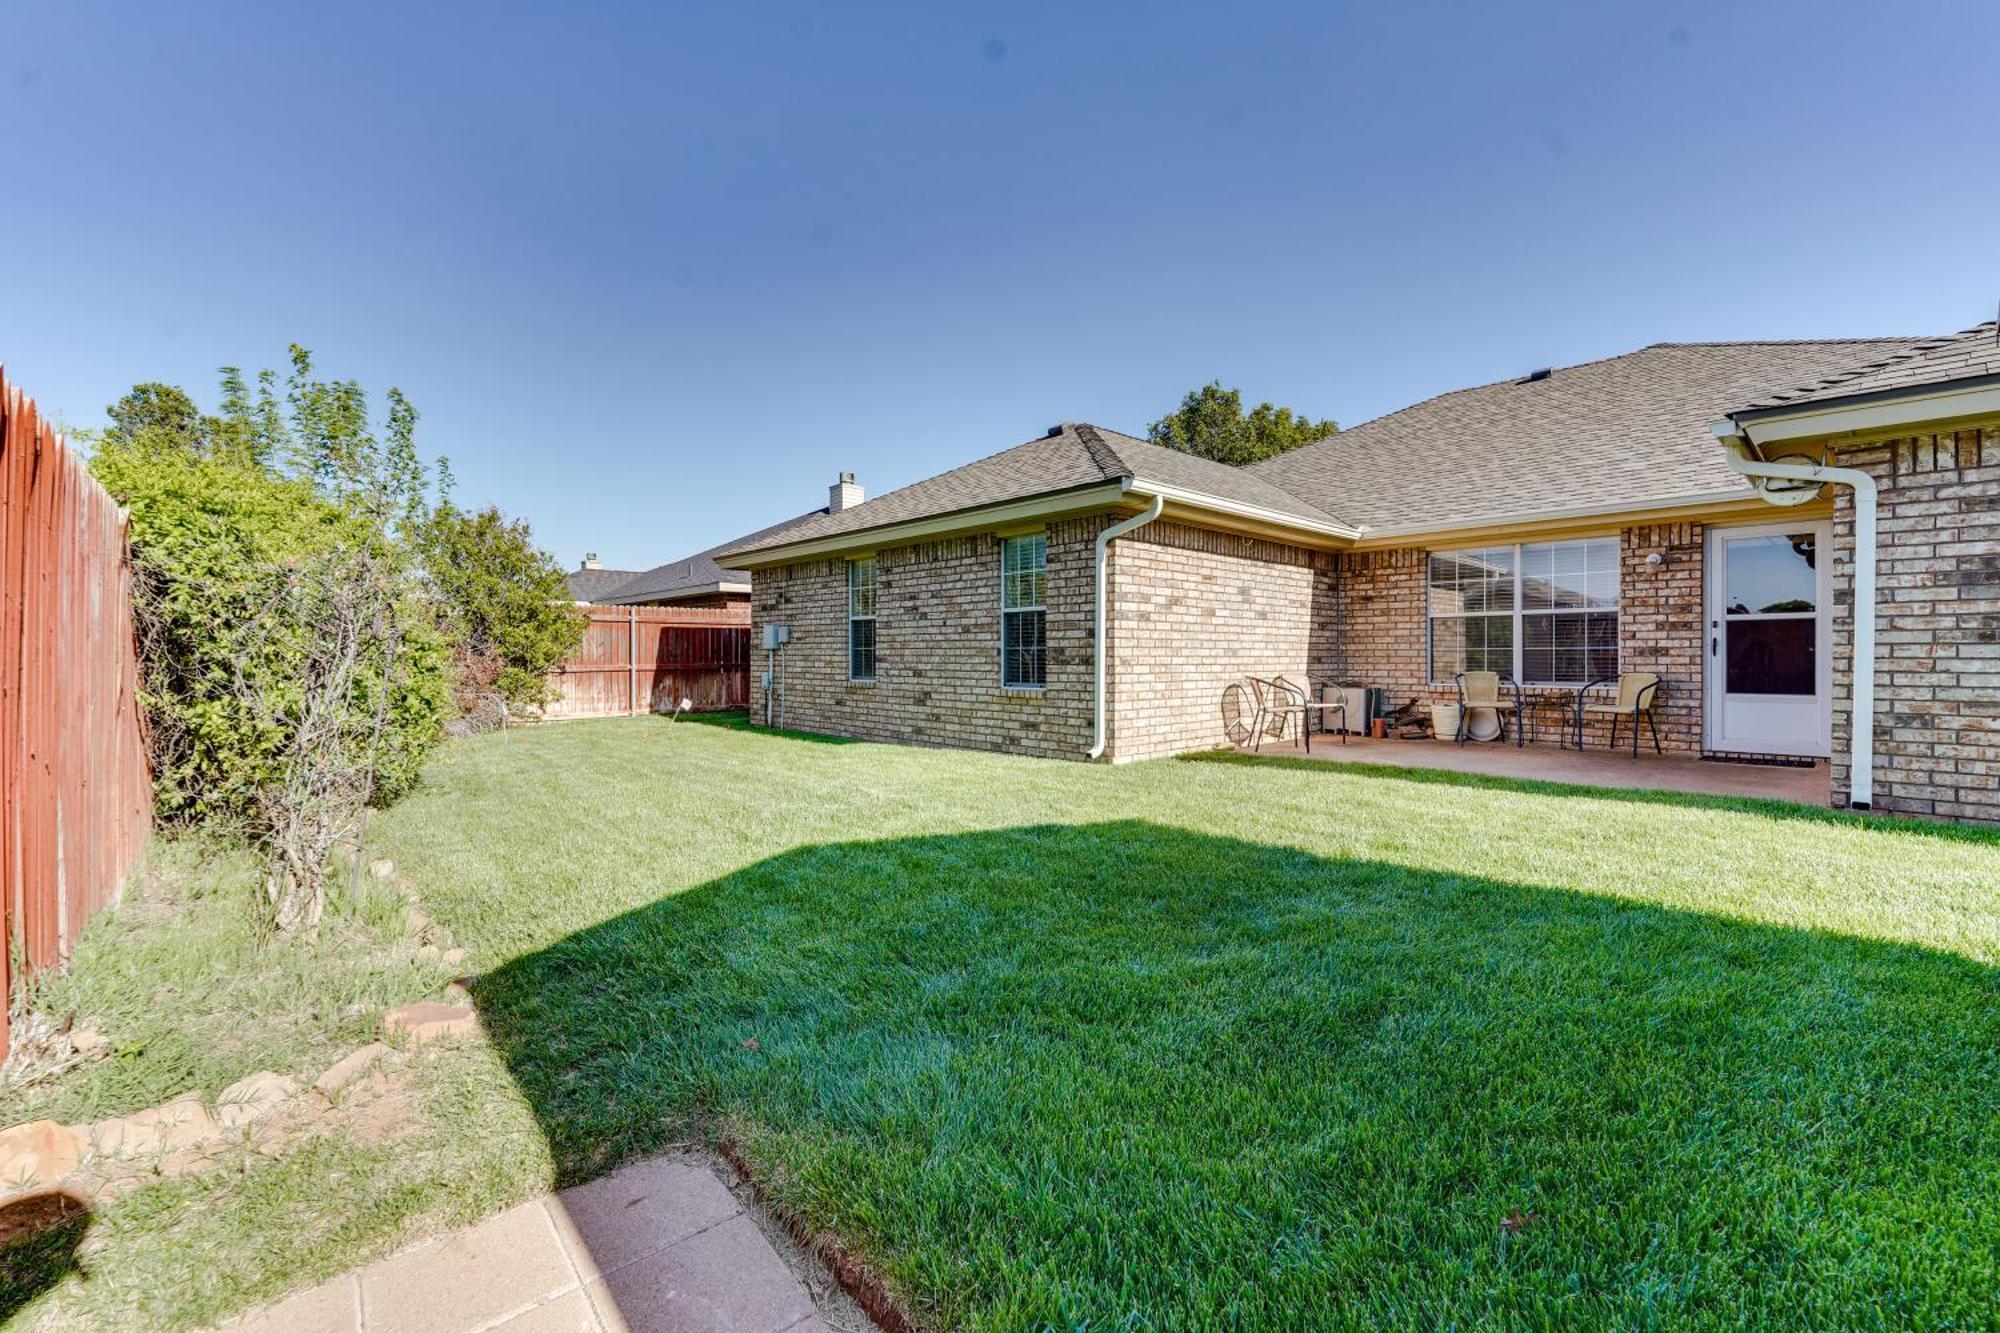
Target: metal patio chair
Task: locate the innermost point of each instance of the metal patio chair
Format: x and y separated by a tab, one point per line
1276	705
1314	703
1638	691
1481	689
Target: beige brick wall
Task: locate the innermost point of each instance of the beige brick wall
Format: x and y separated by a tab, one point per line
937	679
1937	660
1381	633
1193	611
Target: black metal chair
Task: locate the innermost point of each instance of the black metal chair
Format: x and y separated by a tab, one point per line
1638	691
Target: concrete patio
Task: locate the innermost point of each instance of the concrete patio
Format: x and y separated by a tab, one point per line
1545	761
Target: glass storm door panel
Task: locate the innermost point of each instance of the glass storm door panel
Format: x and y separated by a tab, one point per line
1769	640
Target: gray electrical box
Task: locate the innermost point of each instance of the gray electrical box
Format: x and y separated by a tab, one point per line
777	636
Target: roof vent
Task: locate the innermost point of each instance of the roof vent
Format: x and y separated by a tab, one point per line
1535	376
1052	432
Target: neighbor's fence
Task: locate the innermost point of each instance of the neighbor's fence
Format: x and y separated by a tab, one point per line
75	792
639	659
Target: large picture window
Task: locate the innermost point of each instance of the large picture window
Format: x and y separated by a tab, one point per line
1544	613
1024	564
861	619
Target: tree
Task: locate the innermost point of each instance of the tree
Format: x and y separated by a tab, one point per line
503	601
1211	422
161	414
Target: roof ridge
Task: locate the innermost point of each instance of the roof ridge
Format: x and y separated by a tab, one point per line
1102	453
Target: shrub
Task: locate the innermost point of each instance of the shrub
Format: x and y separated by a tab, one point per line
504	603
291	671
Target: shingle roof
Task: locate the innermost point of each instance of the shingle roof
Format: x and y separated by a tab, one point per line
588	585
1967	355
696	573
1069	457
1626	430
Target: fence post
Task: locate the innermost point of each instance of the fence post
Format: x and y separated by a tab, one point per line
632	662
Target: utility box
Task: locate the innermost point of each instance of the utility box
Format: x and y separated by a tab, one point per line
776	636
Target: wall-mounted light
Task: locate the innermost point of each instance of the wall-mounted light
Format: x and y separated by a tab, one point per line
1654	560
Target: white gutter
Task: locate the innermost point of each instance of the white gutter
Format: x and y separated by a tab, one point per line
1104	540
1740	454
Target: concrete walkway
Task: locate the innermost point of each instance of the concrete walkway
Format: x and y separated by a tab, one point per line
660	1247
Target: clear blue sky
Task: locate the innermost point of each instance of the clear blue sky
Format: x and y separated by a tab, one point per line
653	274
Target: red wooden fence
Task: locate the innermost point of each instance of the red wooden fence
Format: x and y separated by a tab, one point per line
639	659
75	793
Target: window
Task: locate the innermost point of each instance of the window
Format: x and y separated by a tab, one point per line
1545	614
1024	564
861	619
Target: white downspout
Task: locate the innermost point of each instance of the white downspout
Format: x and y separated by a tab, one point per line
1861	744
1104	540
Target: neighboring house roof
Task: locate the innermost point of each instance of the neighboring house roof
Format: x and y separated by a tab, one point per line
1973	354
1071	456
1628	431
698	574
590	585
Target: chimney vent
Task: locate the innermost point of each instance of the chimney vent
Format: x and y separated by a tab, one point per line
844	494
590	560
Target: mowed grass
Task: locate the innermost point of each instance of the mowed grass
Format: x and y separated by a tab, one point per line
1256	1045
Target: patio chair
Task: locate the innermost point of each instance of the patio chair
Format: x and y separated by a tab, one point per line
1277	703
1239	716
1481	689
1314	703
1638	691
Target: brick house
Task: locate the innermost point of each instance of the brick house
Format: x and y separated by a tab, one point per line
1688	509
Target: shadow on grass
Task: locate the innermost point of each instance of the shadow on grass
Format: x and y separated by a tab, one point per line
1770	807
1128	1075
40	1234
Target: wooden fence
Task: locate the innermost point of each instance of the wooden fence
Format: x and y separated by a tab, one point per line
639	659
75	793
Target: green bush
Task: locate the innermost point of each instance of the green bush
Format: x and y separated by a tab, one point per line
215	538
503	601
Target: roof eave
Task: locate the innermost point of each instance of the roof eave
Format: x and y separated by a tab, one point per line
1183	498
1865	413
1610	514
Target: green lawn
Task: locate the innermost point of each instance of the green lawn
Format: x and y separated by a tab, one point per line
1222	1044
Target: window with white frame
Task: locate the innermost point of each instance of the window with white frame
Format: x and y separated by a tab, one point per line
861	619
1544	613
1024	563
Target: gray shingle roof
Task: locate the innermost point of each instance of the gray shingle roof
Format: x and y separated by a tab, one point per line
588	585
697	573
1627	430
1967	355
1072	456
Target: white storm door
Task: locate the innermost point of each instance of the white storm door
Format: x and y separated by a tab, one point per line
1770	639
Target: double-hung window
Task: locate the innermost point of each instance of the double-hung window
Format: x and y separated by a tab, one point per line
861	619
1024	564
1545	613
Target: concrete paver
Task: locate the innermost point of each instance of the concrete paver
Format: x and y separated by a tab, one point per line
639	1211
659	1247
469	1279
711	1281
